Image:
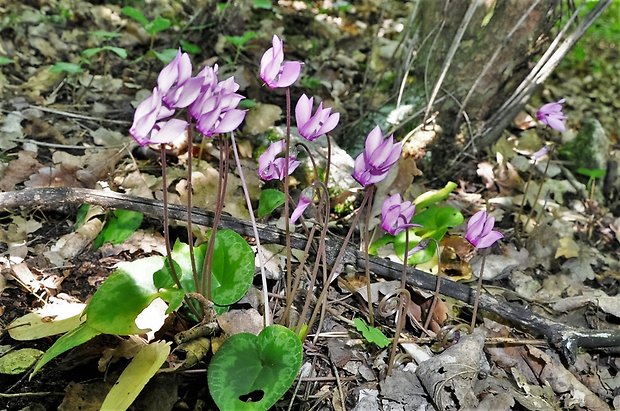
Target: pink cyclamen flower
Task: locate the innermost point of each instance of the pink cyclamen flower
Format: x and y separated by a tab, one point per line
179	89
146	115
480	231
215	108
313	126
396	215
379	155
276	72
271	167
304	201
551	114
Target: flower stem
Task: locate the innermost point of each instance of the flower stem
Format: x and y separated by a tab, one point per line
436	297
164	181
371	315
478	291
190	190
403	304
259	251
287	228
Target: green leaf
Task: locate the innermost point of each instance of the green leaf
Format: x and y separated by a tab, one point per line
71	339
259	367
166	56
5	60
157	25
591	173
420	257
239	41
106	35
135	14
262	4
119	51
270	199
64	67
183	264
135	376
434	196
119	227
189	47
233	268
88	53
19	361
247	103
371	334
436	221
80	217
33	326
123	296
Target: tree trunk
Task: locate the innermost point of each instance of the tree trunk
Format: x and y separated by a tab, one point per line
468	67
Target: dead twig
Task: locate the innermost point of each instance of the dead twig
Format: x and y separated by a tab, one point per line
565	338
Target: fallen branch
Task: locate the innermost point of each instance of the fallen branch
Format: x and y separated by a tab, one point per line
565	338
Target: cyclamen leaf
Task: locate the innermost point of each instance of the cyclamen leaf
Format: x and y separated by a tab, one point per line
371	334
64	67
119	228
159	24
270	199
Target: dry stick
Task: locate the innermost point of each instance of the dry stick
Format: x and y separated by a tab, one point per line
287	227
371	314
221	194
565	338
478	293
259	250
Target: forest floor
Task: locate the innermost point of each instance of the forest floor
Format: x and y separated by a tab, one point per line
64	123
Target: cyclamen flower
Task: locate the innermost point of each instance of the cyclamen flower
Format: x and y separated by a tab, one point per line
178	88
396	215
146	115
304	201
271	167
379	155
551	114
480	231
215	108
313	126
166	132
276	72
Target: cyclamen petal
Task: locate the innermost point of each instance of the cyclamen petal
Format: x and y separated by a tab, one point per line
379	155
304	201
166	132
551	114
276	72
480	231
303	109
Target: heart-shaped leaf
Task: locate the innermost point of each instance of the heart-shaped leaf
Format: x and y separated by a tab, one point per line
233	268
125	294
270	199
252	372
119	227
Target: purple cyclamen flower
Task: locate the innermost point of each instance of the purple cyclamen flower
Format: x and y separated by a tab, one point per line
379	155
271	167
179	89
551	115
146	115
304	201
396	215
215	108
276	72
313	126
480	231
168	131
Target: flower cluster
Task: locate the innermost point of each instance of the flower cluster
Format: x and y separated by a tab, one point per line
211	103
271	164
